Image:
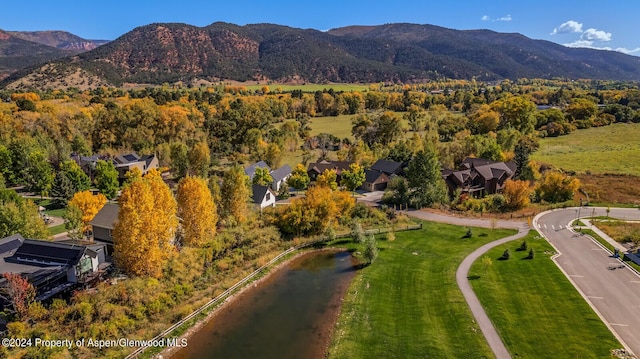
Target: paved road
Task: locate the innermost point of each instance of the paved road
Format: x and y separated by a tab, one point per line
462	273
614	294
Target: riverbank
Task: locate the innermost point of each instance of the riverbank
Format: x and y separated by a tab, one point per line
253	294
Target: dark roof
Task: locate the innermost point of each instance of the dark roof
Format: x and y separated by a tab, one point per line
259	192
251	170
44	253
147	159
7	244
127	158
338	166
106	217
281	173
372	176
475	162
386	166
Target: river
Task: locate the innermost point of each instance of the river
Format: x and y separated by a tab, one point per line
290	314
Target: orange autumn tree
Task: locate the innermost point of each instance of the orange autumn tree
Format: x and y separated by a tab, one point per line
516	193
89	204
146	226
196	211
18	292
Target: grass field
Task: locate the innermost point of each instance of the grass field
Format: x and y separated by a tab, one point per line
311	87
536	310
57	229
339	126
407	304
607	149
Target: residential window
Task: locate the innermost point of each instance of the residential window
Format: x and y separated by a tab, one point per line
268	196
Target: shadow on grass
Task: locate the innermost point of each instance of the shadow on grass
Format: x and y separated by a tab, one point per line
473	277
342	241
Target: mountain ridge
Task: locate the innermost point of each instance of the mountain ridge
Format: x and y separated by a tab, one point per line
170	52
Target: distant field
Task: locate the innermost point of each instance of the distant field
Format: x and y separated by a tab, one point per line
535	309
311	87
608	149
339	126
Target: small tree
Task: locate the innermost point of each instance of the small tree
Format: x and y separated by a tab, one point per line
18	292
330	233
73	222
469	233
523	246
371	250
506	254
486	263
106	178
531	254
354	177
357	233
299	178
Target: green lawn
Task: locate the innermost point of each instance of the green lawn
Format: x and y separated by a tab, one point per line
607	149
57	229
407	304
536	310
339	126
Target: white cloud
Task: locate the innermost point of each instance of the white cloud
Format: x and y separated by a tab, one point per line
580	43
505	18
569	26
596	35
589	45
485	18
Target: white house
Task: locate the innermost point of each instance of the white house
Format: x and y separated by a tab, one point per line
263	196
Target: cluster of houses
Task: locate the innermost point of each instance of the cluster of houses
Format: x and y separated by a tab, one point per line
57	267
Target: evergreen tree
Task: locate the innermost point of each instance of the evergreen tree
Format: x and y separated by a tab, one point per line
62	189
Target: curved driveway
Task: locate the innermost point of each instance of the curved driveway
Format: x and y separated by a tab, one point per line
613	294
485	324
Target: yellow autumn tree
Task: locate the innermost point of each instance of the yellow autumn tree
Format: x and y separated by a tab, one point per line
235	192
516	193
196	211
146	226
89	204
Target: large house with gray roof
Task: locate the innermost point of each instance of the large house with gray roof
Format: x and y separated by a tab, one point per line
52	267
479	177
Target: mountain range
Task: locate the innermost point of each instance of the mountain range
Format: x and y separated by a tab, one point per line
171	52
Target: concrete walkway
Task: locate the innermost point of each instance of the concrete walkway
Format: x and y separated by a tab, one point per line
462	273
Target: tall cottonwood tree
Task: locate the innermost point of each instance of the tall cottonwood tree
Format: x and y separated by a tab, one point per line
196	211
235	192
146	226
424	179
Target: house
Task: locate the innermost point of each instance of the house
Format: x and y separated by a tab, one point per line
263	196
388	167
87	163
316	169
280	177
103	223
374	181
251	170
52	267
127	162
479	177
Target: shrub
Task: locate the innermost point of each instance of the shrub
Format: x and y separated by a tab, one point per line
391	236
468	234
357	233
506	255
523	246
531	254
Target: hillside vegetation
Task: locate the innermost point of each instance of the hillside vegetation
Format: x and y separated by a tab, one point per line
171	52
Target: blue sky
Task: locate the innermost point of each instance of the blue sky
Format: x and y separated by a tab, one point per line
585	23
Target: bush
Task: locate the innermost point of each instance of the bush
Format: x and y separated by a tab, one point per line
506	255
468	234
531	254
357	233
523	246
371	251
391	236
